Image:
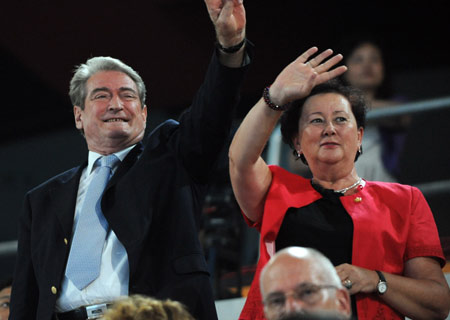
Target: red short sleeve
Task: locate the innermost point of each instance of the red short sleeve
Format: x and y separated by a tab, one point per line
423	238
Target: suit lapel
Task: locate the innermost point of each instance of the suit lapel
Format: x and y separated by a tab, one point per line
126	164
64	198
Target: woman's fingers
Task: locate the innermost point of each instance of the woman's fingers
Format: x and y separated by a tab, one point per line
307	54
322	64
329	63
324	77
316	61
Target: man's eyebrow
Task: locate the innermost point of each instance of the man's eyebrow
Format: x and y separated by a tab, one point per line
127	89
100	89
5	297
105	89
275	294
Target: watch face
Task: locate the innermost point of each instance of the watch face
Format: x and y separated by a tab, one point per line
382	287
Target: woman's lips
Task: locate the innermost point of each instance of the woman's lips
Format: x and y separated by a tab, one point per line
329	144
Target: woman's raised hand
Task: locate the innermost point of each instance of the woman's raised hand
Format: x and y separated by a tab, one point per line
298	79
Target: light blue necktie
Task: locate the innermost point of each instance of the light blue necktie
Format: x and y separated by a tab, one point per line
83	265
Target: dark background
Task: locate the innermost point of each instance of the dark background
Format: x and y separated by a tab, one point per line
169	42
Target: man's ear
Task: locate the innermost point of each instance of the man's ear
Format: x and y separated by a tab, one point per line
78	114
144	112
343	302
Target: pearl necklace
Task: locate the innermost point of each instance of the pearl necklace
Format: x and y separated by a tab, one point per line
343	191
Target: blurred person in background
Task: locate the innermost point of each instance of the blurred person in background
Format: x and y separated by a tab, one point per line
383	140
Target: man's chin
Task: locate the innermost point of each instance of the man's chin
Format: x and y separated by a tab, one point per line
122	134
118	134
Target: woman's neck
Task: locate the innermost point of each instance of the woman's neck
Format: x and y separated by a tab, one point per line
336	180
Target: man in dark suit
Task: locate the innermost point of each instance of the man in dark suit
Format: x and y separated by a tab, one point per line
152	202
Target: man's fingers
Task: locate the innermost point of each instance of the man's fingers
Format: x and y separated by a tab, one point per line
213	7
227	10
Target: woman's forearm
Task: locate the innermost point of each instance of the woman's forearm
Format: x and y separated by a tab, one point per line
418	298
250	175
252	135
420	293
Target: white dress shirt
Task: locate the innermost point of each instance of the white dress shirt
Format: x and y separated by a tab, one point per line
113	280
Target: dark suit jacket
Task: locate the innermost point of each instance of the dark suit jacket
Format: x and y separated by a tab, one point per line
152	203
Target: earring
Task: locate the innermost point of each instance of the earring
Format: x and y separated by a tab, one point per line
298	154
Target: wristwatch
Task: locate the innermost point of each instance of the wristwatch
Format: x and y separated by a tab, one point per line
382	284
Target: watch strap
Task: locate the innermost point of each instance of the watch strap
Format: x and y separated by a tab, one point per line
231	49
380	275
382	283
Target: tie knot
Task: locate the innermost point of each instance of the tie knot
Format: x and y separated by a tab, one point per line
109	161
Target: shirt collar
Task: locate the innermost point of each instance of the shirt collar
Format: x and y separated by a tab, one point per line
93	156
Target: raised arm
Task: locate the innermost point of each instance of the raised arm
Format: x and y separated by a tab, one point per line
250	175
204	128
228	17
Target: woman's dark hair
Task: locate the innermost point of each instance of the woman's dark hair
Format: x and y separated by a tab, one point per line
5	283
289	121
348	45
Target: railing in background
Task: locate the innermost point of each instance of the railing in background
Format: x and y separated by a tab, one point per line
409	108
8	248
434	188
429	188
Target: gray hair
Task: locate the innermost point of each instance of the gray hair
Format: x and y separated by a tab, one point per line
84	71
328	269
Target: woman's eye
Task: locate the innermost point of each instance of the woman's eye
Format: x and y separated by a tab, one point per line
317	120
341	119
